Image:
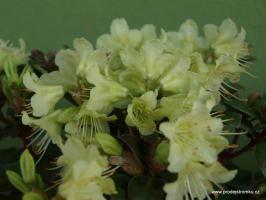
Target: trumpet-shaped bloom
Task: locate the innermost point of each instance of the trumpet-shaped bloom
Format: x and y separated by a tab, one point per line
183	103
196	181
45	97
83	172
121	36
225	39
140	113
45	130
107	93
18	55
194	137
66	75
86	122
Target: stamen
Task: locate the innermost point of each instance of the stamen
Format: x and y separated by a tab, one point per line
237	133
56	183
189	188
205	191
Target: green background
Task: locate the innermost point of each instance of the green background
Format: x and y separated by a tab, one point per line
49	24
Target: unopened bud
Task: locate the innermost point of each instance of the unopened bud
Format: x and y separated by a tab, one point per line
11	71
16	180
162	152
27	167
109	144
32	196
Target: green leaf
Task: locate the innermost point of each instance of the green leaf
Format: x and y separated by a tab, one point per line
239	106
27	166
145	187
16	180
260	153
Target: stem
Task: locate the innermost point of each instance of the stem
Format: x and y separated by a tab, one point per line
253	142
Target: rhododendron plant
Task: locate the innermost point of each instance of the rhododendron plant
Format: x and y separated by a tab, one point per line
139	102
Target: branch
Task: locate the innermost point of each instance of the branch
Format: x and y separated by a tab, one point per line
227	155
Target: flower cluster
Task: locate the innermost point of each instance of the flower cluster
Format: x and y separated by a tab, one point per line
166	83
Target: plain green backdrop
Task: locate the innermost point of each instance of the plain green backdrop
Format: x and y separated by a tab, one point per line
49	24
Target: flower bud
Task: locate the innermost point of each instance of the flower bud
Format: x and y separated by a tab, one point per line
16	180
11	71
32	196
162	152
108	144
27	167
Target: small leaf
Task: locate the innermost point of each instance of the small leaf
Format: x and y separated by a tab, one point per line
16	180
27	167
239	106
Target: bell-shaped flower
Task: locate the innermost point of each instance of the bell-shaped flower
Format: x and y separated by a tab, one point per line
148	68
121	36
45	130
18	55
66	60
196	181
184	41
85	122
45	97
225	68
225	39
140	113
107	93
177	79
183	103
150	62
83	172
83	48
194	137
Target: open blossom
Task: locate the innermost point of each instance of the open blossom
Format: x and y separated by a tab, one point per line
82	173
45	130
193	137
196	181
225	39
85	122
121	36
45	96
141	113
